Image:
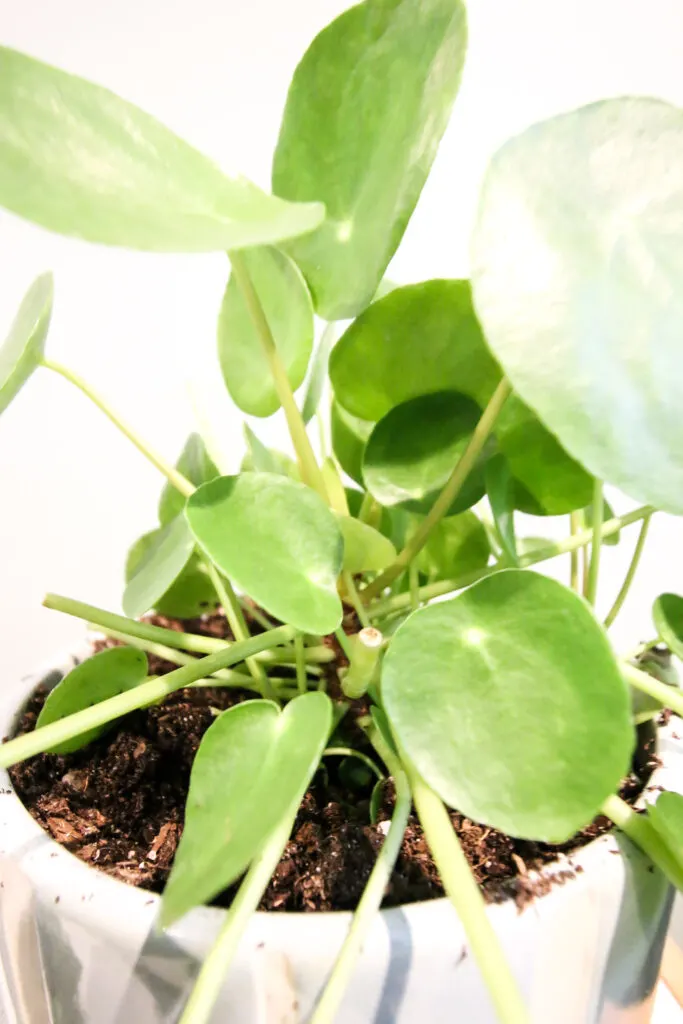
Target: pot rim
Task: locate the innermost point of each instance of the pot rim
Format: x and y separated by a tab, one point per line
82	886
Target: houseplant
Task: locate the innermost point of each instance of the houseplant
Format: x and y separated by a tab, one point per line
569	250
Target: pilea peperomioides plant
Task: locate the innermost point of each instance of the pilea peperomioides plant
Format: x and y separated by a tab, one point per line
454	403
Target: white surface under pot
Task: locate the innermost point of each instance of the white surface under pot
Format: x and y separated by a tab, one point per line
587	952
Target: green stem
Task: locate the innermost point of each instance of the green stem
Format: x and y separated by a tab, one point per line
591	591
310	470
463	892
344	642
668	696
48	736
215	967
630	575
171	474
373	893
355	600
300	650
414	581
370	511
233	613
358	754
396	603
639	828
442	505
574	529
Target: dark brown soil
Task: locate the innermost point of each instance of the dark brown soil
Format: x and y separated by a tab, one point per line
118	805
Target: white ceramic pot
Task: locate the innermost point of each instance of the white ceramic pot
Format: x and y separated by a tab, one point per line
587	952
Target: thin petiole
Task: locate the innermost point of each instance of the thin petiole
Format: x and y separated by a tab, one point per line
370	511
308	465
414	579
343	641
373	893
641	831
51	735
215	967
463	892
575	526
180	482
450	491
355	600
233	613
301	679
359	755
668	696
591	584
630	575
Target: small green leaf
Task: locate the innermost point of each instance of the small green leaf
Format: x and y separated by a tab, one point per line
349	435
366	110
317	374
607	513
578	281
510	703
365	549
196	464
22	350
266	460
667	614
277	541
165	559
667	817
418	339
191	594
413	450
457	546
537	461
289	312
77	159
500	490
104	675
251	771
658	663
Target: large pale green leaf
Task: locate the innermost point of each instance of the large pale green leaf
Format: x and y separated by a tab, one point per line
22	350
79	160
163	562
196	464
252	768
554	481
667	613
418	339
510	703
191	594
667	817
349	435
413	450
277	541
365	549
106	674
365	113
287	306
577	275
458	545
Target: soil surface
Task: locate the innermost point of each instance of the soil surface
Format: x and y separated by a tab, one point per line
119	803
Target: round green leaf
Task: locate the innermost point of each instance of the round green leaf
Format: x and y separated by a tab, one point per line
366	110
413	450
349	435
79	160
287	306
196	464
418	339
500	490
167	555
578	281
251	771
554	481
277	541
511	705
106	674
667	614
365	549
458	545
667	817
22	350
191	594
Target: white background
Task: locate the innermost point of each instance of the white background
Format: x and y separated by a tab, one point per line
74	494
